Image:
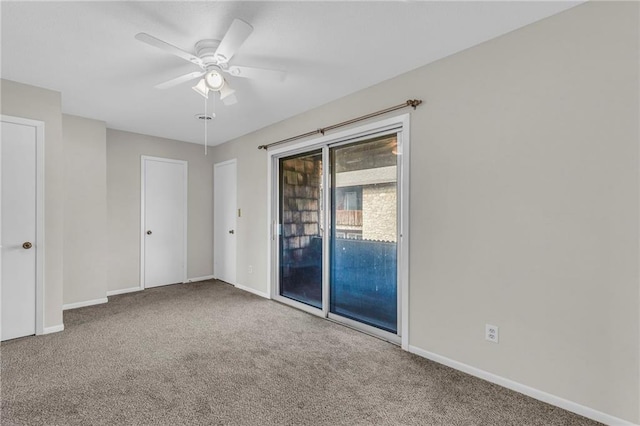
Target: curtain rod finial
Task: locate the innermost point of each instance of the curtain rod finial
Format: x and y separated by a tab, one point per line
414	103
262	147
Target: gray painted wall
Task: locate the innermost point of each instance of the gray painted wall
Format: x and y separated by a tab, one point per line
85	209
124	150
524	203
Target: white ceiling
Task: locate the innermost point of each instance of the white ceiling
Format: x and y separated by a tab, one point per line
87	51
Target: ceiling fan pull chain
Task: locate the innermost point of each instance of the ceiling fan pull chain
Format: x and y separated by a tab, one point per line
205	125
213	109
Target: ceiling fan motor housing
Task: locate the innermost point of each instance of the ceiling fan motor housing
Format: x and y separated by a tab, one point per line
206	51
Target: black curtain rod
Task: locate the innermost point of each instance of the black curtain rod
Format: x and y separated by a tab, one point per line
413	103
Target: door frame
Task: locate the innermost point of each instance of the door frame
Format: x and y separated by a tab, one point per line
215	235
143	194
399	124
40	211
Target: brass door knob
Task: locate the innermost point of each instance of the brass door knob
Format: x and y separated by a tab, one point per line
149	232
27	245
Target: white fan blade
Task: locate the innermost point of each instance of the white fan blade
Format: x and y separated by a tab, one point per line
179	80
256	73
162	45
237	33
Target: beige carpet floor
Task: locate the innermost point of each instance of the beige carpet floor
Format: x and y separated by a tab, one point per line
207	353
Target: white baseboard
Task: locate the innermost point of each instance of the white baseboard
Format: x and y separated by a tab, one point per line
524	389
196	279
252	290
123	290
53	329
85	303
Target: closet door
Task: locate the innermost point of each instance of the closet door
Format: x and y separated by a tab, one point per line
224	221
164	221
19	250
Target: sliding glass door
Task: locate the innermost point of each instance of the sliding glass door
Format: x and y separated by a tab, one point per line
364	232
300	228
337	227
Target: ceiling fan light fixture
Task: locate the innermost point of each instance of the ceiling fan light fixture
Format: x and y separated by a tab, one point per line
225	91
202	88
214	80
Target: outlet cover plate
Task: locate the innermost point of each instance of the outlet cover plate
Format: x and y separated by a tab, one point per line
491	333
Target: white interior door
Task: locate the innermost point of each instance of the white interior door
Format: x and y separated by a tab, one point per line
164	221
18	154
224	221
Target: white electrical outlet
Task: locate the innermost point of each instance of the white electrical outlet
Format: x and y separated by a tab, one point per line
491	333
250	269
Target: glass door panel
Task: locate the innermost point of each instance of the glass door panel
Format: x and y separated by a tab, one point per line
300	215
364	223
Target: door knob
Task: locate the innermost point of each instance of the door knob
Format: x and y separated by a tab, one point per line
231	231
27	245
149	232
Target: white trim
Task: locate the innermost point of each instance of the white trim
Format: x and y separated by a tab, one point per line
299	305
196	279
40	228
40	215
403	225
53	329
225	163
523	389
365	328
85	303
143	158
142	221
270	226
326	233
123	291
252	290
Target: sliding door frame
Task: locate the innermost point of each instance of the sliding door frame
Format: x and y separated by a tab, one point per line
399	125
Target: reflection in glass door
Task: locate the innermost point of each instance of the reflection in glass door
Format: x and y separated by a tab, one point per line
349	273
300	180
364	209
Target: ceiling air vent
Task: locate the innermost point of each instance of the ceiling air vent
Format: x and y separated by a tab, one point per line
205	117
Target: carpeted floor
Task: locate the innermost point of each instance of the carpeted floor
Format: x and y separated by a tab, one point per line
207	353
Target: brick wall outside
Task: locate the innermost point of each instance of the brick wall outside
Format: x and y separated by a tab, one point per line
379	212
301	206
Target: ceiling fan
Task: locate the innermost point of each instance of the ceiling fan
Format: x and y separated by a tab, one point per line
213	56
